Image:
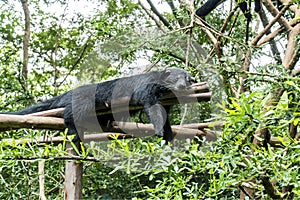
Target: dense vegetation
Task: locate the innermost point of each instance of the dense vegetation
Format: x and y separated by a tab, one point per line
48	47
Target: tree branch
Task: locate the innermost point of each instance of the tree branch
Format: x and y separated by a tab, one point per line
268	27
275	33
26	39
272	9
265	22
291	55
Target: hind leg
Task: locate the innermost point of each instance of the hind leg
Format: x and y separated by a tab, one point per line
70	124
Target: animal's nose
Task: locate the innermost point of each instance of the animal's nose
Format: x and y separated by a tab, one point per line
181	86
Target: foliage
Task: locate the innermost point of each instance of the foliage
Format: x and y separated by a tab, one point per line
108	39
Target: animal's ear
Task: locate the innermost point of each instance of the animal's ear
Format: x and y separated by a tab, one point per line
165	73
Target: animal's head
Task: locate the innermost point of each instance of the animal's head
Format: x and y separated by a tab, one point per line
176	78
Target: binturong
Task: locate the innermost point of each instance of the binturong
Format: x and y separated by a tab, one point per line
144	90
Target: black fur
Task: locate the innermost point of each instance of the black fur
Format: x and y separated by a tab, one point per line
210	5
144	89
206	8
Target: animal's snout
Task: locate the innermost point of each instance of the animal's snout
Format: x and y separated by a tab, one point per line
181	84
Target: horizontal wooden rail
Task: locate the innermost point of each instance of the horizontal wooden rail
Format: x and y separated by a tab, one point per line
9	122
119	129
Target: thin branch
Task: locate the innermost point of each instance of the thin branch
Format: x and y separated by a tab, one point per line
187	55
178	57
158	23
174	11
227	20
64	158
161	18
54	51
201	23
222	30
243	79
80	57
206	30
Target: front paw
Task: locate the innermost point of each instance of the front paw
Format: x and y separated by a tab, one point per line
160	133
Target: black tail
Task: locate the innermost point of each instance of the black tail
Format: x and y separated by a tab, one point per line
42	106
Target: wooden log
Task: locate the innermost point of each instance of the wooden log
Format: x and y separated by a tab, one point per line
73	176
95	137
118	129
203	125
200	87
9	122
58	112
142	130
41	173
123	105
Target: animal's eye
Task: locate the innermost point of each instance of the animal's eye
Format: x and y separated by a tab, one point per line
191	80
